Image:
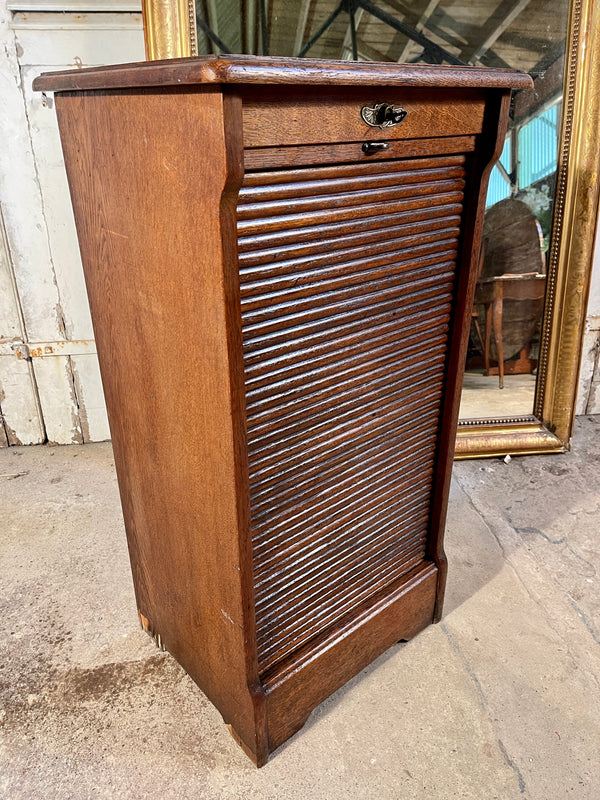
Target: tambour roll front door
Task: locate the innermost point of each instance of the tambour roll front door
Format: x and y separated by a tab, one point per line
347	276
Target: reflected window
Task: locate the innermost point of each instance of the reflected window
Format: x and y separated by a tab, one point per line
538	146
500	187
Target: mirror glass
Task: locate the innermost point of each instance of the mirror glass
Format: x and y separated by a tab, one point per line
530	35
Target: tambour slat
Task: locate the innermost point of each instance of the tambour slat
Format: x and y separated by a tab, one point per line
272	376
290	490
347	276
352	499
381	333
352	568
323	451
311	477
251	261
348	561
342	431
440	194
277	312
345	200
354	534
374	402
437	211
353	489
351	590
315	270
351	318
377	307
317	404
274	177
338	184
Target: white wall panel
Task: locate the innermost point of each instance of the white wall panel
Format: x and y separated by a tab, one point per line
51	390
64	41
58	213
88	388
588	391
21	200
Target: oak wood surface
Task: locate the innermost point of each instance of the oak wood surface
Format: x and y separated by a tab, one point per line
305	155
276	117
292	693
293	320
237	69
150	216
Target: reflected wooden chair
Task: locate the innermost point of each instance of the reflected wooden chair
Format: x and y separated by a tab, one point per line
512	270
491	293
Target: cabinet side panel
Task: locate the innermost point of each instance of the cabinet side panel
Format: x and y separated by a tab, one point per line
147	173
488	150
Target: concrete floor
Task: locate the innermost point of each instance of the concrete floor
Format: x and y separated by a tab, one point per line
482	397
90	709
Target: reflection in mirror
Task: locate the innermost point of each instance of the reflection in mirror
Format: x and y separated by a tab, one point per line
529	35
501	368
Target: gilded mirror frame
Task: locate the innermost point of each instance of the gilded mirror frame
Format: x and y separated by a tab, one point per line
170	32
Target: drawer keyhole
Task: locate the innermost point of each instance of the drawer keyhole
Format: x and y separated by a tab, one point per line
383	115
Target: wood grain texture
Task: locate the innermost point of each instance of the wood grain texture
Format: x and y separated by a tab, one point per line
400	614
305	155
264	70
345	335
286	527
488	151
138	196
275	117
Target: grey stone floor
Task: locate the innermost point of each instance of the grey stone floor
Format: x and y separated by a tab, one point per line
501	700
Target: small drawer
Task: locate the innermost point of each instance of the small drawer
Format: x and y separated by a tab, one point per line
279	118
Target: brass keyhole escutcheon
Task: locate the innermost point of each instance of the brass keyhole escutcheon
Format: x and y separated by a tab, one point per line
383	115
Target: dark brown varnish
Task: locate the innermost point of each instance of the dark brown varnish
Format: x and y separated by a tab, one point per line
281	323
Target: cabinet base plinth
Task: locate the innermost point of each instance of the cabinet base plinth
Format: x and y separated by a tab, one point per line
298	688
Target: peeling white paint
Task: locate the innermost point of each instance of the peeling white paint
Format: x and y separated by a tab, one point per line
49	377
588	390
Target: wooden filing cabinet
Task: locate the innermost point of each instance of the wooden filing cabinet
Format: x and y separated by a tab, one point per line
280	259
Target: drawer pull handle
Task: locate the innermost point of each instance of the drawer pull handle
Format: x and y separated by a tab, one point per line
374	147
382	115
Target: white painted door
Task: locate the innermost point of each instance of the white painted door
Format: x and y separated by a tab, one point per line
50	388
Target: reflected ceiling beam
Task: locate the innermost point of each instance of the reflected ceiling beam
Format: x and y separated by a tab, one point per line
249	26
371	54
446	29
492	59
549	58
212	16
547	88
407	11
316	36
350	45
434	53
502	18
210	30
305	9
264	31
420	25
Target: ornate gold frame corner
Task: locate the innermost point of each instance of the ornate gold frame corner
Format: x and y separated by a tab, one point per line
169	29
170	32
503	437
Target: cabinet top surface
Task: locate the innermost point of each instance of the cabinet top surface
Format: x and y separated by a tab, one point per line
271	70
